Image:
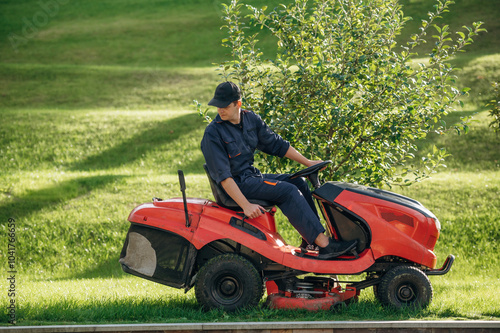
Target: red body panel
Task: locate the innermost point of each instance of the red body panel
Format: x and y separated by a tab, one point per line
210	222
396	230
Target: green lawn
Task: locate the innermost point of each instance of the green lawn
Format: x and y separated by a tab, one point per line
97	117
71	178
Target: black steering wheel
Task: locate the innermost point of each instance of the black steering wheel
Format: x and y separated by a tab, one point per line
310	170
311	173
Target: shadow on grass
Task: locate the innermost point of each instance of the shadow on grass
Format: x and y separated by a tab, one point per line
142	143
36	200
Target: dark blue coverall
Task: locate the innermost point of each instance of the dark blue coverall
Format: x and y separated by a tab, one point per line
229	152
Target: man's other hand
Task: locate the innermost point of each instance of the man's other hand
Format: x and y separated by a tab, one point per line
253	211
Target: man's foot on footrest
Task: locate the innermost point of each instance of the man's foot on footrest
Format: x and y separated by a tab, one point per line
303	250
308	247
336	248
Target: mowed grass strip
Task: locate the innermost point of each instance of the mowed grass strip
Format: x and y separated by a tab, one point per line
35	86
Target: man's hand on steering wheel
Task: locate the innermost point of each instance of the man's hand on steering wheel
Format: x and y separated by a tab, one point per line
314	168
311	163
312	172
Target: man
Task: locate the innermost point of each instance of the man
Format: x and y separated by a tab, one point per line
228	146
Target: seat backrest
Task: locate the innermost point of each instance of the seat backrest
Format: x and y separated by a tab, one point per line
224	200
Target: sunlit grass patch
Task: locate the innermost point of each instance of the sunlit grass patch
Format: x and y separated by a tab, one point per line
101	300
111	87
461	297
93	140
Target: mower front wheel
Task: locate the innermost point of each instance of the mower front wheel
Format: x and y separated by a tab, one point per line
229	282
404	286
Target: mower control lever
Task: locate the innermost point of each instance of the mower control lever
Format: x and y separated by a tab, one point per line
182	182
244	217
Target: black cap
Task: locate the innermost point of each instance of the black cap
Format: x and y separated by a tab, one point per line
225	93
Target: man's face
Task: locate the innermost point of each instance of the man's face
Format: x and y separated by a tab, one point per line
231	112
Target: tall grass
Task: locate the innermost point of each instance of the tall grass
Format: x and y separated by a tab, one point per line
35	86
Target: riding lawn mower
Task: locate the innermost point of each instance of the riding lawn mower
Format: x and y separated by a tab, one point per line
231	260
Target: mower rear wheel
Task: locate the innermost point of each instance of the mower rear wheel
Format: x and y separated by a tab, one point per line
229	282
404	286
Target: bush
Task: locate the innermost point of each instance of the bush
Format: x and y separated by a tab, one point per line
340	87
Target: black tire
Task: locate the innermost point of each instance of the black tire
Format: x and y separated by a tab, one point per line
404	287
228	282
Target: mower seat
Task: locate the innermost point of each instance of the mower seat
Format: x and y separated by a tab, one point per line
224	200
